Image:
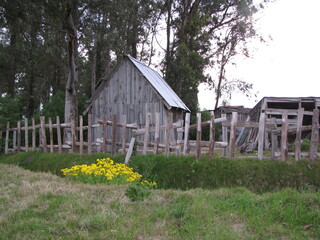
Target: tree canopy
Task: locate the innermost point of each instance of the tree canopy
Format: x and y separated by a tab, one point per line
49	47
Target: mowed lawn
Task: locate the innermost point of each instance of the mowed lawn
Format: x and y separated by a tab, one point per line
45	206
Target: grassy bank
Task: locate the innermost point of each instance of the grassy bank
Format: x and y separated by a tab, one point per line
186	173
45	206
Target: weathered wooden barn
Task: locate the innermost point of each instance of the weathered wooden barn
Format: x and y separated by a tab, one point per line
269	113
133	89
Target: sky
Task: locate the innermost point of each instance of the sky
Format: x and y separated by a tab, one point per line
286	66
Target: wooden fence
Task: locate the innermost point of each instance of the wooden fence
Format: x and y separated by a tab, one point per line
48	136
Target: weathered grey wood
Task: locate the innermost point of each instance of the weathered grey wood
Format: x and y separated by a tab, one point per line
124	133
261	133
314	135
186	135
129	153
179	138
104	134
114	134
146	134
81	134
33	133
18	136
168	133
50	134
43	134
224	135
73	135
6	146
198	147
284	137
274	142
297	143
26	135
234	120
212	135
89	133
59	135
14	144
156	133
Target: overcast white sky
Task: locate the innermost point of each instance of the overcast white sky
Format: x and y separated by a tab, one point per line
287	66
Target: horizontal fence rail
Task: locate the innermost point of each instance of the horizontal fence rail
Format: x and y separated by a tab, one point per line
122	137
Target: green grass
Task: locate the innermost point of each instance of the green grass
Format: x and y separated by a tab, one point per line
36	205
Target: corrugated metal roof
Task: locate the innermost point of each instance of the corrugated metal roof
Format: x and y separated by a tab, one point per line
160	85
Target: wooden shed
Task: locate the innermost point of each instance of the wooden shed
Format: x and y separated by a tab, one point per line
134	89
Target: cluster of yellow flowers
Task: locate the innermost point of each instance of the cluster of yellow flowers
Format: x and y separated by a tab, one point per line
105	168
146	182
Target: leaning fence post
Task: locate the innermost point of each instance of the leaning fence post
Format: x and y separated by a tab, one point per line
198	143
314	135
186	134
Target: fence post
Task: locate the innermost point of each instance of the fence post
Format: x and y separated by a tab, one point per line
186	135
26	136
50	134
33	134
284	137
59	135
18	136
146	134
314	135
233	126
157	134
274	139
89	133
123	133
224	135
104	134
297	143
198	143
114	134
262	122
168	131
130	150
81	134
6	147
43	134
212	135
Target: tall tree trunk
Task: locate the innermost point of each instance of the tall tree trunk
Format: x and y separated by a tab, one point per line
168	50
71	103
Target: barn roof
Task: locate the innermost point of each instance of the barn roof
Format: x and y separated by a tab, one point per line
159	84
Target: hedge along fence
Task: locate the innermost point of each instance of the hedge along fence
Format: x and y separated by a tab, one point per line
142	137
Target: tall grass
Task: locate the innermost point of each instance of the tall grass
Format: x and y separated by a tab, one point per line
45	206
186	173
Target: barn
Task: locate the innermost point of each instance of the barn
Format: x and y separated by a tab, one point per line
134	89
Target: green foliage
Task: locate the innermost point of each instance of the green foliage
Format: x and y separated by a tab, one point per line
138	192
10	110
